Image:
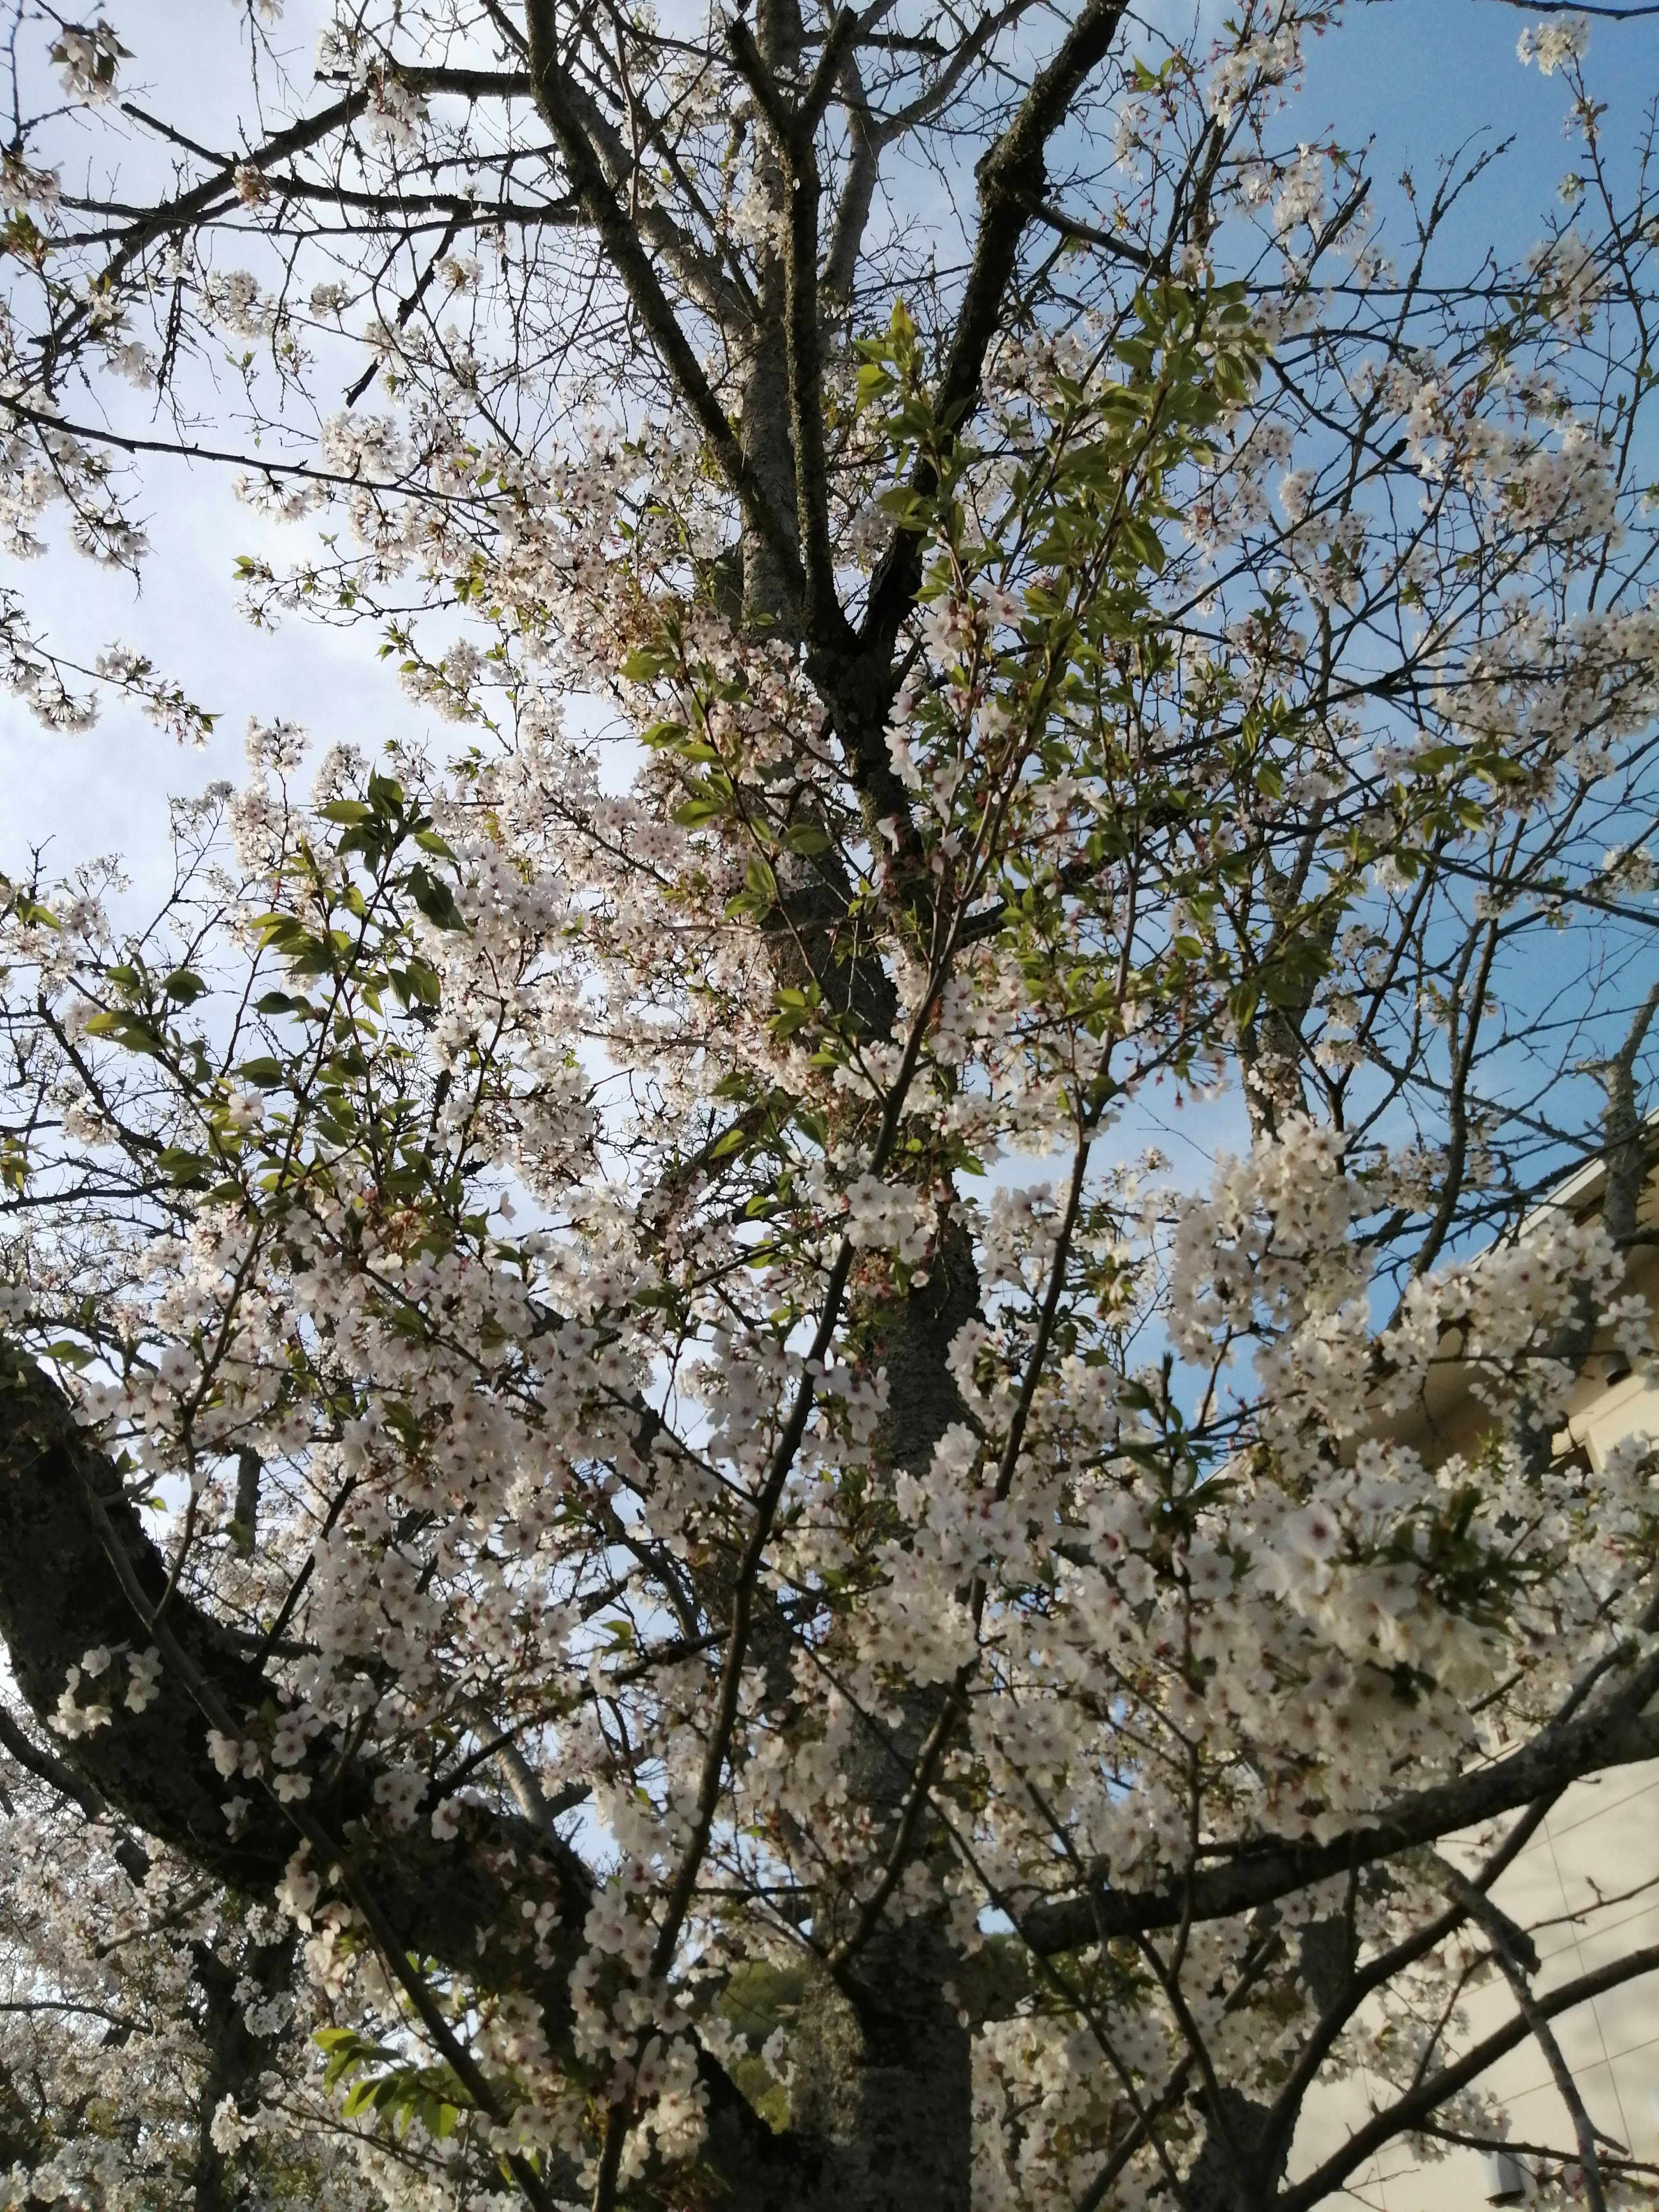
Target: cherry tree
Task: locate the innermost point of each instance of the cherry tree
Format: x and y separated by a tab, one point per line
651	1553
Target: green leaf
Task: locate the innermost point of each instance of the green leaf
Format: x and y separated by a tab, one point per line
1146	544
281	931
662	733
905	508
875	383
694	812
265	1074
435	899
643	665
417	983
130	1030
187	1168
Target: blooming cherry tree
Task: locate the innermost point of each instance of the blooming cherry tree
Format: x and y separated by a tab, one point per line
651	1552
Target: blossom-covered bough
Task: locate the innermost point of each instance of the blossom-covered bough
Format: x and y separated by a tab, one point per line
649	1554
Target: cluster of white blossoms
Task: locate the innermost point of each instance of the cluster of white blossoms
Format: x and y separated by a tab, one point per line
233	299
1551	44
88	55
88	1700
368	445
884	1218
1271	56
1289	1603
1270	1240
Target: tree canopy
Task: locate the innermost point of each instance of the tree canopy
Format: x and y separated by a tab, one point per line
651	1551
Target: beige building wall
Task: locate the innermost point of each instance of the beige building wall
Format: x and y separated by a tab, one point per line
1589	1888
